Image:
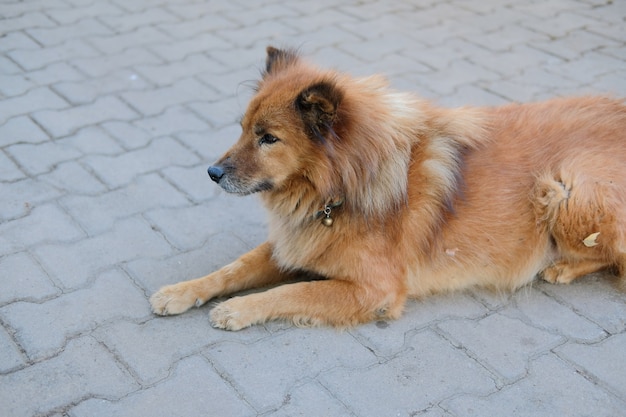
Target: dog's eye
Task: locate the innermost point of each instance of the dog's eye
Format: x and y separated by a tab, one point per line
268	139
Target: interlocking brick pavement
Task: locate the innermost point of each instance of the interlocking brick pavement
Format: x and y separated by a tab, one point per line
109	113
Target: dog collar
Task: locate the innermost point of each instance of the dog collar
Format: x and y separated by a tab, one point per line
328	207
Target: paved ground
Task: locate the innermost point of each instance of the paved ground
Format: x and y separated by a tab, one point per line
110	112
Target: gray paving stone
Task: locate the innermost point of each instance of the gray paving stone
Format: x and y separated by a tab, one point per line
39	158
8	170
500	343
157	100
458	73
508	37
326	36
192	65
595	298
560	25
311	399
150	348
265	32
23	280
84	369
75	264
65	122
32	100
175	51
238	82
21	129
121	41
121	169
550	389
129	136
92	140
376	9
32	59
60	34
73	178
517	89
515	60
99	66
193	389
312	8
44	223
242	66
25	20
611	13
7	66
15	85
195	225
211	144
603	362
54	73
18	197
97	214
191	28
18	9
191	11
84	92
173	120
388	338
255	366
149	17
589	67
613	83
543	10
431	370
435	33
576	43
69	315
226	112
11	357
326	18
545	312
65	15
192	181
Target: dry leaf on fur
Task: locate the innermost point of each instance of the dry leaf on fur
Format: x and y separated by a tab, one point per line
590	241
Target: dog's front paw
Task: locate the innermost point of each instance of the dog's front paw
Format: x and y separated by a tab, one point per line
174	299
230	315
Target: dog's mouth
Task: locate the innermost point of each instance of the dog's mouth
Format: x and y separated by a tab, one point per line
234	185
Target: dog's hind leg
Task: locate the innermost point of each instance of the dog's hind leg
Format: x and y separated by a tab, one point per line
564	272
585	215
252	270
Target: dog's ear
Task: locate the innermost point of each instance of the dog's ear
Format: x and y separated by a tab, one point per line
318	106
279	59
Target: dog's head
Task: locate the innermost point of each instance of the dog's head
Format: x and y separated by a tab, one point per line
284	128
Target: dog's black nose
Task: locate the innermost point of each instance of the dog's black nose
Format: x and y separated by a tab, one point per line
216	173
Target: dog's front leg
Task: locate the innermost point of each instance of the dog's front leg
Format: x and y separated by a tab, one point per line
254	269
334	302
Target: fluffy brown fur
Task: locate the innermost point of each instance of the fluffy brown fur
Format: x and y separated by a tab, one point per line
423	199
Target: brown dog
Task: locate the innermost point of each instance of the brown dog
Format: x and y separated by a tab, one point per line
385	197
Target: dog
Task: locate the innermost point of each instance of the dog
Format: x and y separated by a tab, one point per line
381	196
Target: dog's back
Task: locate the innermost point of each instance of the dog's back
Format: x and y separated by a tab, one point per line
552	175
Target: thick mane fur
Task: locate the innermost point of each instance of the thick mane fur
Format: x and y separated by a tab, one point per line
365	154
